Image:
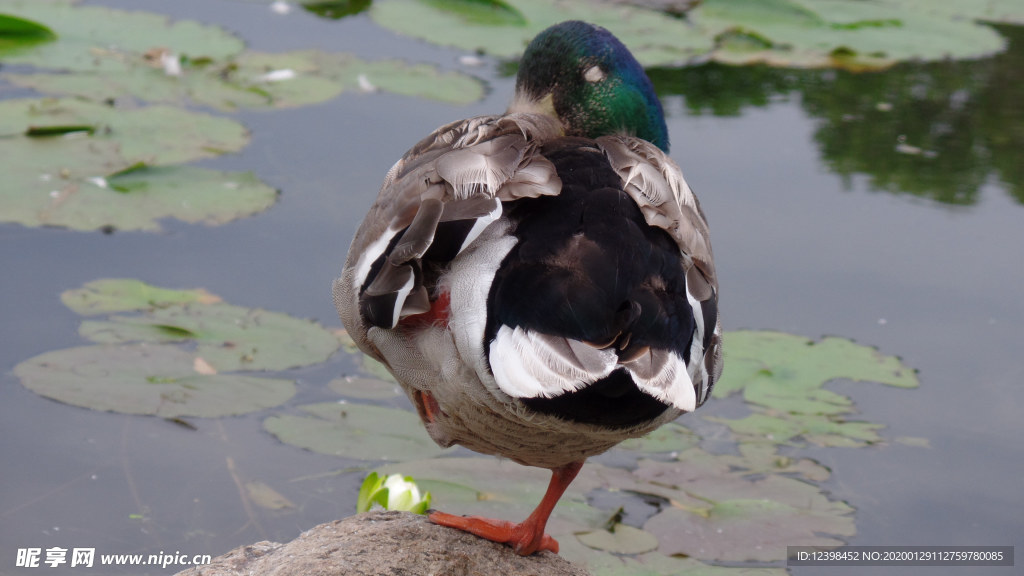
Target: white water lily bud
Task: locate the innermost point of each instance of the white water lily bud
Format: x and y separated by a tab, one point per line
394	492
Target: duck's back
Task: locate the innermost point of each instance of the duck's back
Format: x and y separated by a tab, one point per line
549	292
587	268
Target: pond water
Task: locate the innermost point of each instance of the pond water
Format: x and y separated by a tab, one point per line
886	208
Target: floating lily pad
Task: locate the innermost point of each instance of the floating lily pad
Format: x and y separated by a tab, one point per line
786	372
619	539
139	368
655	564
791	33
257	80
93	37
156	135
669	438
782	375
228	337
146	379
742	530
125	294
346	72
764	458
650	35
335	9
722	514
92	179
841	33
780	428
1005	11
357	431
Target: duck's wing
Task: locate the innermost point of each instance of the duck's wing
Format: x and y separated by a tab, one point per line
609	301
657	186
434	202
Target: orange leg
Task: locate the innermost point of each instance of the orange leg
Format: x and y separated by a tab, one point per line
527	537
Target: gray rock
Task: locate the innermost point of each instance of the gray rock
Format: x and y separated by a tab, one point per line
383	543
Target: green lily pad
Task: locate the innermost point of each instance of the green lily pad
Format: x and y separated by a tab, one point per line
655	564
335	9
93	37
257	80
652	37
671	437
1005	11
722	514
620	539
791	33
156	135
781	428
786	372
146	379
782	375
841	33
98	179
482	12
744	530
764	458
358	431
139	369
228	337
125	294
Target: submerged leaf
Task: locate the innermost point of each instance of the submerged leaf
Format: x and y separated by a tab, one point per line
266	497
146	379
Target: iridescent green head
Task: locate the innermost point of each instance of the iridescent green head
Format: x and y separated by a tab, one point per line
596	87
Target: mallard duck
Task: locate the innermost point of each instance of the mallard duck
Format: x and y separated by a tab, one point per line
540	282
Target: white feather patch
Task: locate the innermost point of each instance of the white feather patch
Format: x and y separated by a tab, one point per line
671	383
530	365
369	256
697	371
480	224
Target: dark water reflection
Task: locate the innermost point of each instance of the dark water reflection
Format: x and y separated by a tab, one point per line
785	163
937	130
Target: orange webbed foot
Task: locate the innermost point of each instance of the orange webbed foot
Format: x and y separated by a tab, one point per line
525	538
528	536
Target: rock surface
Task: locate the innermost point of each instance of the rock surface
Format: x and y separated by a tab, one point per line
383	543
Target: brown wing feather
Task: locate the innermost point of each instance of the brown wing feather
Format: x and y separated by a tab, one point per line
656	184
488	157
